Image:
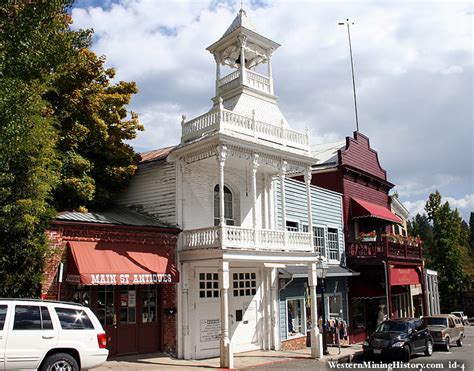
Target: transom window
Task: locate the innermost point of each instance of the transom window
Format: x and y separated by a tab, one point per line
228	206
208	285
333	244
244	284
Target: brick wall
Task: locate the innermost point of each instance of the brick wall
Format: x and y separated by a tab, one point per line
294	343
59	233
169	320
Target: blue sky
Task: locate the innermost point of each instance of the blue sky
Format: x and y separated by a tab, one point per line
413	62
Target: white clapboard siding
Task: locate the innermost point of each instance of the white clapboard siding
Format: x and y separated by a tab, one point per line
153	190
326	207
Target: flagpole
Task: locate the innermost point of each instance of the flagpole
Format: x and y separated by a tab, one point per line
348	23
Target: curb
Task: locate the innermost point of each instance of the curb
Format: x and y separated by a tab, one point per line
345	358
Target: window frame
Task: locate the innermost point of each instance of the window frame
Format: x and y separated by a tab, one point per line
302	311
328	242
298	225
228	221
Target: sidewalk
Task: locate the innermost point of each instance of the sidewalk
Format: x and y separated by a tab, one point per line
159	361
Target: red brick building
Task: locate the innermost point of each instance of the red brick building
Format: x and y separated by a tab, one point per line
391	267
122	264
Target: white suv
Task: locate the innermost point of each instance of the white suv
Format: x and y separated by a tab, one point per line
49	335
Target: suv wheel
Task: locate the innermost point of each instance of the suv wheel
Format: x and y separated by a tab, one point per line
429	348
446	346
459	342
60	362
406	353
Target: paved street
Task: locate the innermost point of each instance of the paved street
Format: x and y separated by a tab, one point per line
456	359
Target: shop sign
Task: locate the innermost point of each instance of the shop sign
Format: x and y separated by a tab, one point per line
210	330
403	276
126	279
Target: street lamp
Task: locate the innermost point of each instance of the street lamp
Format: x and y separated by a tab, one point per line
322	268
348	23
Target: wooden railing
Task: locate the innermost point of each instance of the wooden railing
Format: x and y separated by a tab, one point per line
223	120
384	249
246	238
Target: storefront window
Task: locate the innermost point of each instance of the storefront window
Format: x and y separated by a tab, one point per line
149	304
105	305
128	303
358	317
82	294
296	316
335	306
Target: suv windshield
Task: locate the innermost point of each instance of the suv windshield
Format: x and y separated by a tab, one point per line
433	321
391	326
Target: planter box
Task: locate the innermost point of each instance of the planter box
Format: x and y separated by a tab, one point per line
369	239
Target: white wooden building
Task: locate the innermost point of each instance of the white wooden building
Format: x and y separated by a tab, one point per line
217	185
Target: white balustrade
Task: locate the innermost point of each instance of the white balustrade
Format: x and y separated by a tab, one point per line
257	81
222	120
201	238
243	238
229	78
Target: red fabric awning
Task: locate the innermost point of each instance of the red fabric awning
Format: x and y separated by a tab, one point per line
103	263
364	209
404	276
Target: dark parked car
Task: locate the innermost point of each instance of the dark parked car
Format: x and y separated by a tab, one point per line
399	339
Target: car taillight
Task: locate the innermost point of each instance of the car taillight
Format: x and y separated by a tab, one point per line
102	340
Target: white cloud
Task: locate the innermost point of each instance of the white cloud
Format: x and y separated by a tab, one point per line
413	64
465	205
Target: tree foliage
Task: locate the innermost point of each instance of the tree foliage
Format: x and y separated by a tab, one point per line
447	253
471	234
92	124
62	131
420	226
28	165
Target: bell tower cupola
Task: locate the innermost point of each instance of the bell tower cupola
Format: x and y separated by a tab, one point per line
243	48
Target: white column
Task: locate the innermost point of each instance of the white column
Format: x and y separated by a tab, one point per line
221	156
218	72
283	166
307	179
243	41
275	333
269	69
316	339
226	356
254	166
186	345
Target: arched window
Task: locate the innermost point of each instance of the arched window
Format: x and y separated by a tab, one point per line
228	206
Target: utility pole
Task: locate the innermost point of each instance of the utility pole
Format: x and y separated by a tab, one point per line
348	23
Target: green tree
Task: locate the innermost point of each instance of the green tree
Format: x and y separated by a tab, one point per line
420	226
92	125
62	130
471	234
447	252
33	42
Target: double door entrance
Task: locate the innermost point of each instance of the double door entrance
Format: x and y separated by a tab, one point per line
130	315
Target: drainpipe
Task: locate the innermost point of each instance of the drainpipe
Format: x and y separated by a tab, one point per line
389	314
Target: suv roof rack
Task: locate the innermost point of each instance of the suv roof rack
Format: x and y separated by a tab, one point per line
42	300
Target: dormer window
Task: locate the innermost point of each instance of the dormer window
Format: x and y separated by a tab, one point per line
228	206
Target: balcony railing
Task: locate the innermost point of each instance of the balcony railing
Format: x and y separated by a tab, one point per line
384	249
230	237
222	120
252	79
